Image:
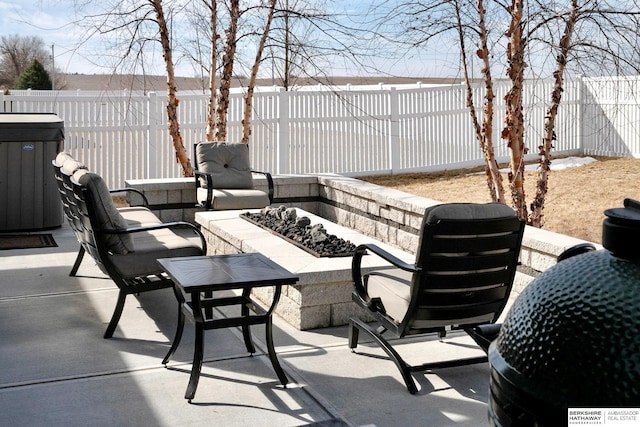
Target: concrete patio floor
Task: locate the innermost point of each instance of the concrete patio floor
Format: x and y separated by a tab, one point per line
58	370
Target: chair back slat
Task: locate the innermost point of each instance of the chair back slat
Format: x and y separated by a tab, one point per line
466	264
433	319
451	244
479	279
462	299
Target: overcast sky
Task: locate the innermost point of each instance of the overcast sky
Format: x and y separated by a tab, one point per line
52	21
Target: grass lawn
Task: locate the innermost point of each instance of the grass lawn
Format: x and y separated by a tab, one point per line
575	202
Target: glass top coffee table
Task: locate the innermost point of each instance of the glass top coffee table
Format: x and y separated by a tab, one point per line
196	278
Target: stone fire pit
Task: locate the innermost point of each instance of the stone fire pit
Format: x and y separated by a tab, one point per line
322	296
313	238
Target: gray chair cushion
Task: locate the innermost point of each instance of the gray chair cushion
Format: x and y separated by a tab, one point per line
153	245
70	166
467	211
393	287
106	212
137	216
234	199
228	164
62	157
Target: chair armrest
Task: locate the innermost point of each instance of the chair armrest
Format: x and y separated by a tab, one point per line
197	174
145	202
356	268
169	225
269	183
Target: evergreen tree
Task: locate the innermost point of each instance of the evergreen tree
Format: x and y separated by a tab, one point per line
34	77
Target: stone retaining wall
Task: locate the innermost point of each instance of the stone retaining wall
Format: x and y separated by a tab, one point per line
385	214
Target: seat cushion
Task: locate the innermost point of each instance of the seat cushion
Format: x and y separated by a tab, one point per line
228	164
106	212
393	287
234	199
155	244
138	215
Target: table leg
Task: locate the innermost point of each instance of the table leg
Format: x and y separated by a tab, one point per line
246	329
272	353
269	337
177	337
179	328
197	362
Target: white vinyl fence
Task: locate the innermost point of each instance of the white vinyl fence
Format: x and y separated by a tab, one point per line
349	130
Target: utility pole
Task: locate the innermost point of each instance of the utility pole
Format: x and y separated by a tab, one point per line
53	68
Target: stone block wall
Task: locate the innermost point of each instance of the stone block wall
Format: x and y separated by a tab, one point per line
385	214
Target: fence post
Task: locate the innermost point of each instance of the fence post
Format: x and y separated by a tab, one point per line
152	137
581	108
283	151
394	131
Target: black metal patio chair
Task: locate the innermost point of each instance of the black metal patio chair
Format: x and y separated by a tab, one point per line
224	178
461	280
125	243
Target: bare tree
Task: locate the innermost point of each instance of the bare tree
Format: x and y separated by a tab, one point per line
17	53
307	38
248	99
513	131
134	25
248	23
172	99
549	136
484	130
577	31
213	61
228	59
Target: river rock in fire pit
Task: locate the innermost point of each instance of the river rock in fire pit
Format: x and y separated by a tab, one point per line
303	221
314	239
289	215
318	233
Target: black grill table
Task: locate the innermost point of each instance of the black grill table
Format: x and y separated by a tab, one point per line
196	278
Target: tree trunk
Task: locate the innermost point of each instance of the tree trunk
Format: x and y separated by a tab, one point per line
172	100
513	131
286	81
211	107
222	108
484	132
248	100
537	206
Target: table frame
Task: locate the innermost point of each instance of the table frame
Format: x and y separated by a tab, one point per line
192	277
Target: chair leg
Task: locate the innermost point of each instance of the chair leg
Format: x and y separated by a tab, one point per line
122	296
353	335
405	369
76	264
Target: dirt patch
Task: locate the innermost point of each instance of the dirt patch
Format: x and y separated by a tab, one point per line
575	202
